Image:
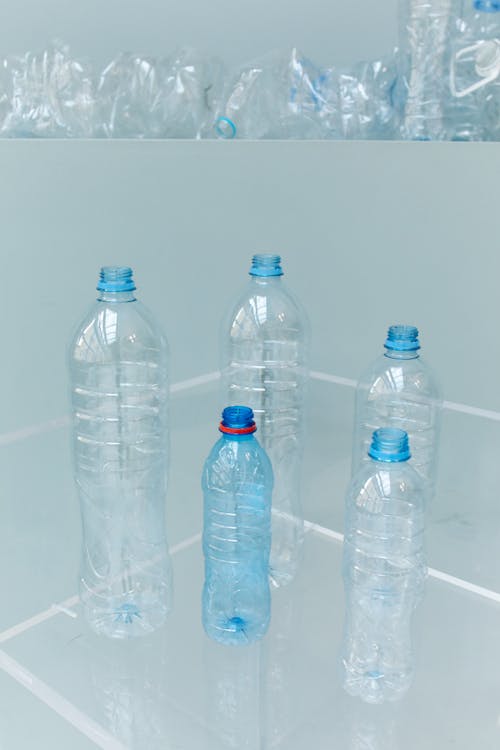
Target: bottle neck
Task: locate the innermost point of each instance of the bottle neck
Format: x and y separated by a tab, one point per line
394	354
266	280
237	438
115	296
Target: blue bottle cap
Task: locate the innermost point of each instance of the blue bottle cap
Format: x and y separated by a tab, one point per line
116	279
266	265
402	339
237	420
390	445
487	6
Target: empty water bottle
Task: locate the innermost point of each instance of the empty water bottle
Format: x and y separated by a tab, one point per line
399	390
424	50
384	570
264	364
473	112
119	390
237	485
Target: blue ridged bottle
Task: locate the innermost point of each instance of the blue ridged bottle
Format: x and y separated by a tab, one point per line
237	486
118	368
384	570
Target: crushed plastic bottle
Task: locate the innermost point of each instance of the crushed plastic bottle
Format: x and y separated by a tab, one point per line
47	95
473	108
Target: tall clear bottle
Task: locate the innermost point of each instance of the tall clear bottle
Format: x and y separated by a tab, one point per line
265	347
237	485
119	395
400	390
384	570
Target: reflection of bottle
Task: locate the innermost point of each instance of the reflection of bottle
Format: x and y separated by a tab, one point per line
399	390
474	73
384	570
129	682
370	727
119	392
237	485
265	352
281	705
232	680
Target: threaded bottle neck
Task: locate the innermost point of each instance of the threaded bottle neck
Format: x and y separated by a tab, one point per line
390	445
237	421
266	265
116	279
402	341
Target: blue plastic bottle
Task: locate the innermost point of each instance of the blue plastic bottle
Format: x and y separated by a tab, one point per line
237	485
384	570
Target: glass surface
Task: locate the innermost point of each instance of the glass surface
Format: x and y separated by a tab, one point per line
178	689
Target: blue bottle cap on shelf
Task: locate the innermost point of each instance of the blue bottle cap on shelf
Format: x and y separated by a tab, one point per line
390	445
402	339
237	420
266	265
116	279
487	6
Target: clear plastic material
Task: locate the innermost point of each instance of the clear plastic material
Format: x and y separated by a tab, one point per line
119	393
237	485
474	103
46	95
384	572
425	32
286	95
399	390
171	97
264	346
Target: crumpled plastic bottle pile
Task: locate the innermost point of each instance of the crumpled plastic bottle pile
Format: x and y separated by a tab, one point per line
442	84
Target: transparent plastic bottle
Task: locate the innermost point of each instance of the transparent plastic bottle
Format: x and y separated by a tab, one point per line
265	343
384	570
399	390
424	44
473	112
237	485
119	393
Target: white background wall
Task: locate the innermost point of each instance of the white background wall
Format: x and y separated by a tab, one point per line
370	233
335	32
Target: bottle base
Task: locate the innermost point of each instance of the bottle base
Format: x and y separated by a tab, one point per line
376	687
235	631
126	620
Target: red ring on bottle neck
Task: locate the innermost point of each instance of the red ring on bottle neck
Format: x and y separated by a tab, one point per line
238	430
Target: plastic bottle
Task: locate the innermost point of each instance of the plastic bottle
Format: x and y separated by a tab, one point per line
473	112
384	570
119	392
237	485
399	390
425	34
264	364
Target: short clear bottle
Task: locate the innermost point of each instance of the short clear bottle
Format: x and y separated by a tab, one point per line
384	570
